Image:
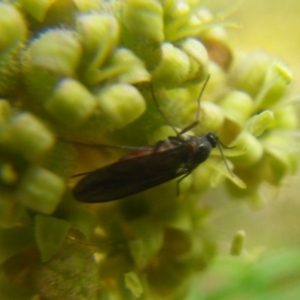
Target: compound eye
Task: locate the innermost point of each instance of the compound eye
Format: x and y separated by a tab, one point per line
213	139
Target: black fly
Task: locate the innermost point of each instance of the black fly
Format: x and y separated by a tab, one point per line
149	166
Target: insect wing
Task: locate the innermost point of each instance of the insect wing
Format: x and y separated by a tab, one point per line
128	177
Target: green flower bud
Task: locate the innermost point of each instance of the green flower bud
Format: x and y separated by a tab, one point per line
10	71
13	29
160	134
5	111
143	29
198	59
57	51
258	123
37	9
211	117
143	20
121	104
13	240
50	233
174	9
217	82
40	190
173	69
254	150
148	239
133	283
285	118
237	106
249	71
11	212
55	54
71	103
28	137
252	181
281	158
100	35
202	178
238	242
132	69
274	86
87	6
8	174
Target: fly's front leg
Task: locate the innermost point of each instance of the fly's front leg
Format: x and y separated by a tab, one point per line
179	181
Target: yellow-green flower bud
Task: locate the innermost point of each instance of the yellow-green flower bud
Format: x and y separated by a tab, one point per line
237	106
202	178
238	242
13	29
173	69
160	134
40	190
133	283
252	147
50	233
143	29
121	104
55	54
175	9
143	20
37	9
10	71
199	60
131	68
13	240
148	240
249	71
281	156
8	174
87	6
10	213
285	118
71	103
211	116
5	113
258	123
57	51
276	80
28	137
100	35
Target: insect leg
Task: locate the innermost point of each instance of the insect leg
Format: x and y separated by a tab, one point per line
179	180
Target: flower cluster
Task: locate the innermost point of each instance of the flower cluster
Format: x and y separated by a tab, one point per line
75	73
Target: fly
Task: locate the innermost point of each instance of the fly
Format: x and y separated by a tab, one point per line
149	166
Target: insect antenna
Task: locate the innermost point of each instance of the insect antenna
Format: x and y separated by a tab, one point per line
103	145
220	145
161	112
196	122
190	126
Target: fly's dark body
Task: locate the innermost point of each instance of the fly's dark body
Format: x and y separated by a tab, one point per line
149	166
146	168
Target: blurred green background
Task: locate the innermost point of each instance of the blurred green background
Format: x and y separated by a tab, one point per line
273	26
